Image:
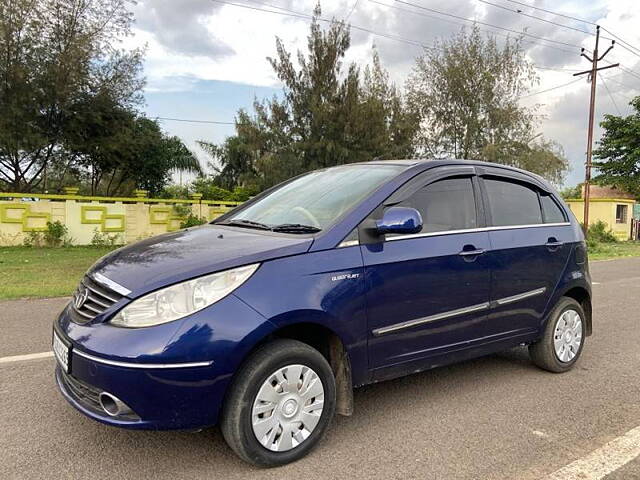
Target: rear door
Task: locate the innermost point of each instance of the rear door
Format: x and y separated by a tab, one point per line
428	293
530	244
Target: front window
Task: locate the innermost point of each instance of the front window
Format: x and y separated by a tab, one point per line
316	200
445	205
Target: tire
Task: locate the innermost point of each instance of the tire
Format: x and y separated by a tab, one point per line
544	353
291	412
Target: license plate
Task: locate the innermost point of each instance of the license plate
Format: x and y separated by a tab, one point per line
61	351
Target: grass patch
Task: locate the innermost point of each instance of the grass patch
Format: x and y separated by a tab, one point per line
44	272
606	251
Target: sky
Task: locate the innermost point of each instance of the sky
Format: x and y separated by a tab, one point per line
205	59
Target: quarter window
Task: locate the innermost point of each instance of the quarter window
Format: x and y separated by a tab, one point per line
512	203
445	205
552	211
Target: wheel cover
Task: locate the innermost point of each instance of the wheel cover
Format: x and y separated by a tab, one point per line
567	336
287	408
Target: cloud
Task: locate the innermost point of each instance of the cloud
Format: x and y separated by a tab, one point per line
190	41
180	26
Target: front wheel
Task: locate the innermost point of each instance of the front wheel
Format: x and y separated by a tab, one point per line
279	404
563	339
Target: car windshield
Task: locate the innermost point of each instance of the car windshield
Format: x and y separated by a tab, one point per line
314	201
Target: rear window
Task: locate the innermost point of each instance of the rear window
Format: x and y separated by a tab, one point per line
512	203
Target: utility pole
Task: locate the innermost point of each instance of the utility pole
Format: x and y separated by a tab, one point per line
593	74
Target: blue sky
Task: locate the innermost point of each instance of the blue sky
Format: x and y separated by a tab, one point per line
204	100
207	58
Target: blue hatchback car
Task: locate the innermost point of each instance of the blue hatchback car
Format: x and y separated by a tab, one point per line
264	320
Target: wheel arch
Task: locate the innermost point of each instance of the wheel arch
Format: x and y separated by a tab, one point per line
329	344
582	295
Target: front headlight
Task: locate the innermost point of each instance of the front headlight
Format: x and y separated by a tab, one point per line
182	299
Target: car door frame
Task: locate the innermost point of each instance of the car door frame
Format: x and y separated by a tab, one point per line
366	228
532	183
367	236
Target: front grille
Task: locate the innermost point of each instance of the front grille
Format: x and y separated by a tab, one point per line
88	395
91	299
84	393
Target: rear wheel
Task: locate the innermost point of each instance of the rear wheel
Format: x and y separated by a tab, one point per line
280	404
563	339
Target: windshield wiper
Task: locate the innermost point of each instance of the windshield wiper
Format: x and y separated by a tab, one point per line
239	222
295	228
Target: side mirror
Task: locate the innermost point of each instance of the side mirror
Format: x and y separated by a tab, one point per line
401	220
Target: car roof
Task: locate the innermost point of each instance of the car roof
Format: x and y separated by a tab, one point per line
428	163
431	163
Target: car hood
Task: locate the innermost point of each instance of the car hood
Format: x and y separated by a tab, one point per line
165	259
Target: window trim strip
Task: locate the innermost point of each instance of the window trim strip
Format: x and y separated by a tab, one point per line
475	230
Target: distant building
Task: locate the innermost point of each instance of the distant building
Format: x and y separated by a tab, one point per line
610	205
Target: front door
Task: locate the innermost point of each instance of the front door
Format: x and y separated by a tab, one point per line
428	293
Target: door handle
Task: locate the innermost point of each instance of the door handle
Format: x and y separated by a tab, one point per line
471	253
553	244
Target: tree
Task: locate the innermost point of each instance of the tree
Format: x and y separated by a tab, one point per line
58	57
465	92
327	115
618	151
133	154
572	192
155	156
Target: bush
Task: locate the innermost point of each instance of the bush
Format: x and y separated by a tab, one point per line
33	239
192	221
182	210
572	192
56	235
593	246
242	194
103	239
599	232
174	191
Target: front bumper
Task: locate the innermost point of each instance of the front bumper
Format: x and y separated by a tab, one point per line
173	376
167	399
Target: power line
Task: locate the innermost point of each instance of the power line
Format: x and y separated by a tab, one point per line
609	92
551	12
195	121
216	122
292	13
550	89
556	69
422	14
620	39
487	24
520	12
628	49
617	37
355	4
628	71
614	80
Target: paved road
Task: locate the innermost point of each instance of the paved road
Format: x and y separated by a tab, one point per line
495	418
